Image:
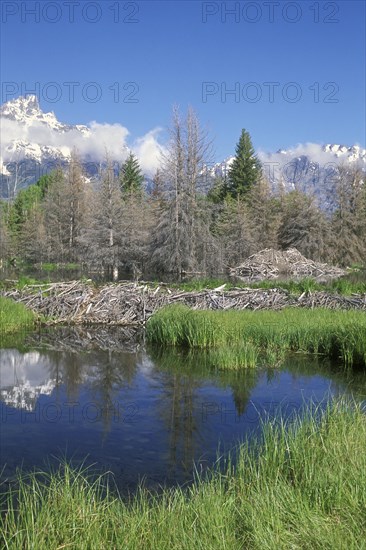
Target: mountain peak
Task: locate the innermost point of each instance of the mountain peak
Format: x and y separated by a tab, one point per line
25	105
29	102
27	111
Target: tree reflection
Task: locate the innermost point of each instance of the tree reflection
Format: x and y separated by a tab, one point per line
181	408
112	372
73	373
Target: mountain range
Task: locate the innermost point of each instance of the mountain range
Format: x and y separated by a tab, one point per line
34	142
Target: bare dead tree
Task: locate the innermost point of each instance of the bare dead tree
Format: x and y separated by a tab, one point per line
234	229
101	237
264	214
303	226
348	224
66	209
177	235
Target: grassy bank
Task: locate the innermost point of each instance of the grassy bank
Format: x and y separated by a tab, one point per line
344	286
339	335
300	487
14	317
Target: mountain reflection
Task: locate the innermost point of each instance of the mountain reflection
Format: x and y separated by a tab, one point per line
141	412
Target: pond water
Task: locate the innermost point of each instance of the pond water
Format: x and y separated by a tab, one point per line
63	274
104	398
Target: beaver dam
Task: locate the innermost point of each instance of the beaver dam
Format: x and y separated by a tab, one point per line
128	303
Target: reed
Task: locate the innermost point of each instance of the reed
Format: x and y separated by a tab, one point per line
301	485
14	317
234	357
339	335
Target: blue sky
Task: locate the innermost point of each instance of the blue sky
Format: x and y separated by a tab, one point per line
296	69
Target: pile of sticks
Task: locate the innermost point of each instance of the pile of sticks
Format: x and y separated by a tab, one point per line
270	264
332	301
58	301
129	304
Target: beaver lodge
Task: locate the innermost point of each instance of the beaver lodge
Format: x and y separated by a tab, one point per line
270	264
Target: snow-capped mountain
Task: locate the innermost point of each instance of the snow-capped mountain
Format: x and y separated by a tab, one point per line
309	157
34	142
310	168
27	111
24	158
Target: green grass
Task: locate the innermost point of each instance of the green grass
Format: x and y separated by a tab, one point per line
344	286
339	335
26	281
21	282
62	267
14	317
234	357
301	486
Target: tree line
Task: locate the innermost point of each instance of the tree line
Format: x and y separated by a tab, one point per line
191	221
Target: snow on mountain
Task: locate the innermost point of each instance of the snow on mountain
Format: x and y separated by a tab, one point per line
313	155
27	111
24	127
310	168
35	142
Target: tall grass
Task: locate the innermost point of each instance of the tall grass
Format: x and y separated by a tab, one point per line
339	335
343	286
244	355
14	317
300	486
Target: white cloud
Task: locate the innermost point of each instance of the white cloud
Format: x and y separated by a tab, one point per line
314	151
101	138
149	151
280	166
93	143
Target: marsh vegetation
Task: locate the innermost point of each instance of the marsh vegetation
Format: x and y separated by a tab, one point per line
300	485
339	335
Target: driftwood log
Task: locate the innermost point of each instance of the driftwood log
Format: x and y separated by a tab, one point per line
131	304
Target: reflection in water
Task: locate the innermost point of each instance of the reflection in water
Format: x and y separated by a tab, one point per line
141	414
23	377
112	372
188	375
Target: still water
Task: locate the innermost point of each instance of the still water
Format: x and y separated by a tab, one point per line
102	397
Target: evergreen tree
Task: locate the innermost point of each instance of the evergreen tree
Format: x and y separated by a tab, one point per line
245	169
23	203
131	177
5	241
219	190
